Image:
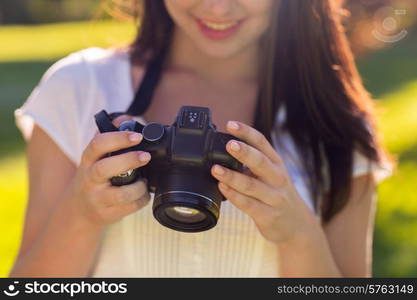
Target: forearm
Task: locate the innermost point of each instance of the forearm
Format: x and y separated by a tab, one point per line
66	247
307	256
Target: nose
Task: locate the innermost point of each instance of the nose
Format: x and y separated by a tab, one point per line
218	8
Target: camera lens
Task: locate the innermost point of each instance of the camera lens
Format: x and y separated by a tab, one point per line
185	211
185	214
187	200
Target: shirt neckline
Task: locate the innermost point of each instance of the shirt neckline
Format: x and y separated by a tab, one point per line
280	117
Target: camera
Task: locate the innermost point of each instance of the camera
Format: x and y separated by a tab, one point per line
186	198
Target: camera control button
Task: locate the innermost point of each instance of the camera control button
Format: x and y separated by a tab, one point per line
153	132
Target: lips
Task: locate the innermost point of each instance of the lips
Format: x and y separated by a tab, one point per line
219	30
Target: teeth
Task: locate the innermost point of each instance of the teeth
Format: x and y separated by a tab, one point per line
217	26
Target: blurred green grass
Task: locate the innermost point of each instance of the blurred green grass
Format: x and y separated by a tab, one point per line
390	75
25	54
50	42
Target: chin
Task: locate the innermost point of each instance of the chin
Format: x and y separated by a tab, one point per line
219	51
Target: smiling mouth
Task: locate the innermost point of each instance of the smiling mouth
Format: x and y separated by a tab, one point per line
220	26
219	30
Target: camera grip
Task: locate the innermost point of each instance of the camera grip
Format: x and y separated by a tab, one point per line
105	124
218	153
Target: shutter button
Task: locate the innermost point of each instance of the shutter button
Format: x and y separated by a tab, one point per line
153	132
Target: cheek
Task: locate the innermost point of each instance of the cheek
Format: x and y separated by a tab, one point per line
256	26
260	14
262	11
258	6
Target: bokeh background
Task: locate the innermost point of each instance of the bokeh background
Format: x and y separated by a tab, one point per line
383	33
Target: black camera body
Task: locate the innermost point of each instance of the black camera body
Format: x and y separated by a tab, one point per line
186	194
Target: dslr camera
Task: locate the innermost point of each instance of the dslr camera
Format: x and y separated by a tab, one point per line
186	198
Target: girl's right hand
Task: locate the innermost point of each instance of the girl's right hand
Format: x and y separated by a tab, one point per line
95	199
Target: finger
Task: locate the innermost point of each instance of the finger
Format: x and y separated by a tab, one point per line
247	185
102	170
109	142
258	163
131	207
135	205
126	194
120	119
117	122
254	138
248	205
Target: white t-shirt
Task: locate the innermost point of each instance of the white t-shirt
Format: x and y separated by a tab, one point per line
64	103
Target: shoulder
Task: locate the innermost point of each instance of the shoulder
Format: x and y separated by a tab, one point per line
73	80
89	79
71	91
80	65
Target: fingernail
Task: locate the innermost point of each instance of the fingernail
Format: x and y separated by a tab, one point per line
135	137
219	170
144	156
234	146
233	125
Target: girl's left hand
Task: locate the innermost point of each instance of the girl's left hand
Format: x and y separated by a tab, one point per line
266	193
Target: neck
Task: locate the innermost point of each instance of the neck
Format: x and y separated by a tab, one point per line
186	56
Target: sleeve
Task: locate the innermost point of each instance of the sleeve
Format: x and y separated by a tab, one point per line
362	165
54	105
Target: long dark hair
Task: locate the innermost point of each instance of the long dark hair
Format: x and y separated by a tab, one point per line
308	68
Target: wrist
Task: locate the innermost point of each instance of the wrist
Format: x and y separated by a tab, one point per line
298	242
76	219
85	225
306	237
307	255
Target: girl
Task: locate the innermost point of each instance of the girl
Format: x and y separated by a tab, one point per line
278	75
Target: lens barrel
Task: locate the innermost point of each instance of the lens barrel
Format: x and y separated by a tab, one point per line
188	200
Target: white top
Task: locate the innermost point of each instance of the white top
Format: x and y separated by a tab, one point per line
64	103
